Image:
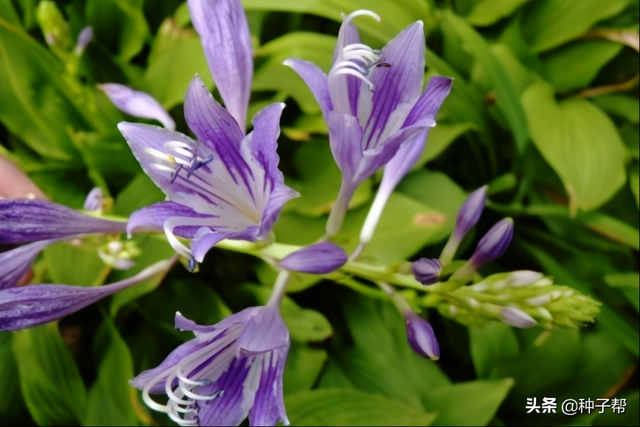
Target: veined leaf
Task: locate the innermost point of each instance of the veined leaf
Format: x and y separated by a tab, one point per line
580	143
487	12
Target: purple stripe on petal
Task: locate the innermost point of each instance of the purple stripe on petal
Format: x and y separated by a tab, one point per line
321	258
268	407
152	218
400	83
137	104
429	103
16	262
426	270
263	141
34	305
316	79
24	220
224	31
280	195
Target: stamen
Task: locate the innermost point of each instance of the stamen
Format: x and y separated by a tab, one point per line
365	56
352	65
354	73
361	12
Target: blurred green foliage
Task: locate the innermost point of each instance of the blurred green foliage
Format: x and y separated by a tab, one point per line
544	109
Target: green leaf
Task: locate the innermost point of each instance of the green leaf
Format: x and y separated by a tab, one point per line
177	53
507	97
272	75
633	181
111	399
612	228
491	345
580	143
628	285
71	265
620	105
480	400
304	365
49	378
440	138
550	23
118	24
576	65
140	192
8	12
487	12
37	105
9	392
341	407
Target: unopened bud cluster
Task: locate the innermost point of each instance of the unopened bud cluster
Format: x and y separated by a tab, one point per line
521	298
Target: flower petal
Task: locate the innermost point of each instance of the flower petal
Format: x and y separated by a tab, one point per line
268	408
204	240
345	137
23	220
280	195
429	103
33	305
263	142
224	31
137	104
265	331
153	218
93	202
321	258
422	339
16	262
316	79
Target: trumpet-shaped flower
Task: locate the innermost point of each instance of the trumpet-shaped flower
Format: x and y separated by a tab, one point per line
228	371
372	102
222	185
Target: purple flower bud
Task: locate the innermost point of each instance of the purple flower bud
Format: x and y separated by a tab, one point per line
470	212
93	202
84	38
322	258
426	270
493	244
518	318
421	338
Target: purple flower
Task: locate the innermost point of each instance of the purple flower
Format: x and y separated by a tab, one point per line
137	104
84	38
228	371
372	103
422	339
28	306
493	244
222	185
426	270
321	258
15	263
93	202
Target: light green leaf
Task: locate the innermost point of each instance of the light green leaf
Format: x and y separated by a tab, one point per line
576	65
612	228
628	285
620	105
177	53
111	399
580	143
487	12
304	365
507	97
480	400
71	265
8	12
342	407
491	345
49	378
551	23
119	24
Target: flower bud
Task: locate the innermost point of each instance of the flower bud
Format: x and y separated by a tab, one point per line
421	338
516	317
426	270
493	244
93	202
84	38
321	258
470	212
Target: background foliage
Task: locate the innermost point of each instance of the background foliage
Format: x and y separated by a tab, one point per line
544	109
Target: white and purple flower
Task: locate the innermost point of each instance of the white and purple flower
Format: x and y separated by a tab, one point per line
372	102
229	371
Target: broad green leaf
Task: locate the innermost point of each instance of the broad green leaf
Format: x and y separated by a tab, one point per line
177	53
140	192
620	105
440	138
628	285
72	265
487	12
507	97
62	185
8	12
49	378
480	400
550	23
304	365
341	407
576	65
395	15
272	75
519	75
612	228
111	400
37	105
119	24
580	143
491	345
318	181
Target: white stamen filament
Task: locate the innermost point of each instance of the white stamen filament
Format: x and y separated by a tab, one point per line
366	56
352	72
361	12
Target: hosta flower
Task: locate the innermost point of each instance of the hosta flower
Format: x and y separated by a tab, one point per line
372	102
229	371
222	185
